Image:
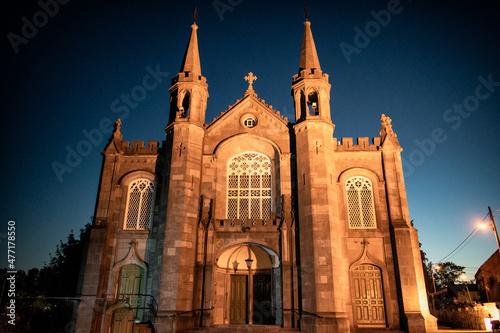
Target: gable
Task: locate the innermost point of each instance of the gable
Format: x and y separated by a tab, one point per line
267	122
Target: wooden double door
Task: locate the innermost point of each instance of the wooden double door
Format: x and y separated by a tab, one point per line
369	302
260	299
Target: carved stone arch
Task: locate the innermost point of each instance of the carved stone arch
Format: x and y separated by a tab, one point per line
235	145
264	299
128	290
368	294
249	141
181	94
132	175
132	257
313	101
262	244
310	89
350	172
364	258
124	183
185	104
377	190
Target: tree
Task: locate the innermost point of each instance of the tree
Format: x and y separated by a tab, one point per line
64	266
426	265
447	273
37	305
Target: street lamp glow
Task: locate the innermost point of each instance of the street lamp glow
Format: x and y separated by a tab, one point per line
483	225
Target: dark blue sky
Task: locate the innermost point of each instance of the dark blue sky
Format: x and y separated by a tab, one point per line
421	66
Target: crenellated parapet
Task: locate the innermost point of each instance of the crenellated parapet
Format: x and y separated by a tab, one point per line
117	146
363	144
138	148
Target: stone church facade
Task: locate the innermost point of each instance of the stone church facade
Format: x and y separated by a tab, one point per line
253	221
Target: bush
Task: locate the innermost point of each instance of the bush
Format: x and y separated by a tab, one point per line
465	318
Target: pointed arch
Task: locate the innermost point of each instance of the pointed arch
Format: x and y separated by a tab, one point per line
246	142
140	189
368	295
249	186
360	203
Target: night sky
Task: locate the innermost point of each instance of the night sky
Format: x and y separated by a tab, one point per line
433	67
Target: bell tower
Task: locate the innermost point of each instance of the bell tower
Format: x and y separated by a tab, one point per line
182	192
322	261
189	90
310	87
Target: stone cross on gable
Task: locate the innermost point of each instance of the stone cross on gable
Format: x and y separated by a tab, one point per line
250	79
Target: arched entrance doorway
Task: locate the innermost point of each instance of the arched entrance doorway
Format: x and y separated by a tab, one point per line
249	278
368	295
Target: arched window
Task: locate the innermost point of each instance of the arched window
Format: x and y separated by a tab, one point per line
140	204
249	186
360	206
312	103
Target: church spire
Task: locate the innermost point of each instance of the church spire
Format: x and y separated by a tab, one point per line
308	56
191	61
310	87
189	90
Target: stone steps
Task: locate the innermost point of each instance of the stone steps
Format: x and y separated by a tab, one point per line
244	328
275	329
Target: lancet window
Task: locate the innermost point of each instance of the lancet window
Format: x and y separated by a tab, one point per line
140	203
360	205
249	186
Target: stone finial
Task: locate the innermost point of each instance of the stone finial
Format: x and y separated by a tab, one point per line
116	130
195	14
386	127
250	79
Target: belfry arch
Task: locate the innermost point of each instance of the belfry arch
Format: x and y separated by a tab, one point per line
248	285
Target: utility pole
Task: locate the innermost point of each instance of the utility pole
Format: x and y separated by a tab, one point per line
434	293
495	230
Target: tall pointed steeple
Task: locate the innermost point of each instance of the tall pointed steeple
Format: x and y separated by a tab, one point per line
310	87
308	55
191	61
189	90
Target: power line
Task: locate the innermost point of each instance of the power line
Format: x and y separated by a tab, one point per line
449	254
463	247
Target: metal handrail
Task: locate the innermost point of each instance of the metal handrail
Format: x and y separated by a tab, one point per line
190	311
303	312
152	305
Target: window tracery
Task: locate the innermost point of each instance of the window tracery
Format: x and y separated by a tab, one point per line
249	186
140	204
360	205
